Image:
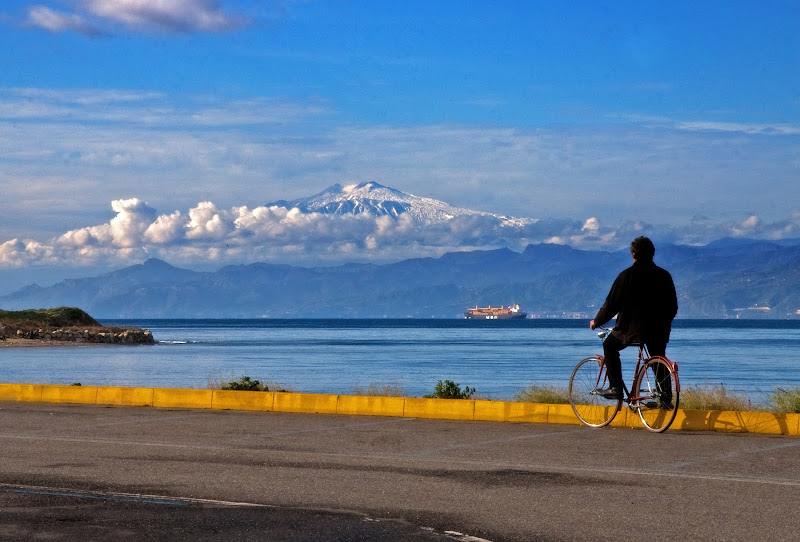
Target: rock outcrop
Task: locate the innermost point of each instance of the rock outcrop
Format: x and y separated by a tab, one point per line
66	325
97	335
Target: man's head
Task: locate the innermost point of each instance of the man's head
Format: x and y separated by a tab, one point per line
642	249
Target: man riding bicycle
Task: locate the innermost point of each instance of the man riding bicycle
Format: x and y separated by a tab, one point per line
644	301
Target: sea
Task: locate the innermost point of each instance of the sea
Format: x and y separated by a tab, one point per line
498	358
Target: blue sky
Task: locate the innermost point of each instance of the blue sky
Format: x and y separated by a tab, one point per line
678	119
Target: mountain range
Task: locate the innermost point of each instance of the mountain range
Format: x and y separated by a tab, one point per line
729	278
726	279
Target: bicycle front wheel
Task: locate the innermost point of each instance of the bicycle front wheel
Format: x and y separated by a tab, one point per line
593	410
656	393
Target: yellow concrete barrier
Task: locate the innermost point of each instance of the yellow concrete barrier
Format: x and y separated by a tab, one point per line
626	418
242	400
793	423
361	405
737	422
85	395
763	422
692	420
446	409
561	414
451	409
107	395
29	393
305	402
505	411
178	398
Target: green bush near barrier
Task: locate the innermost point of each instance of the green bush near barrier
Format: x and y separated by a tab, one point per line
245	384
450	390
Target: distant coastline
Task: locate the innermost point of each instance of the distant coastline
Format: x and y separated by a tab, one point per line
549	281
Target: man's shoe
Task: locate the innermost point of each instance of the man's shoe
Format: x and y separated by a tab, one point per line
609	393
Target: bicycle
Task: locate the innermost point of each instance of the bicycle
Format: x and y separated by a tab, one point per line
654	394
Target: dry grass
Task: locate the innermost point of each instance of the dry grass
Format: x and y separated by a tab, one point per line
785	400
551	395
714	397
380	390
706	397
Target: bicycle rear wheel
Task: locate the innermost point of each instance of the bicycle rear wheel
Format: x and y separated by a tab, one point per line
656	392
591	409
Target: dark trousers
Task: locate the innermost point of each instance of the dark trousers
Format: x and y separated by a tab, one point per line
611	349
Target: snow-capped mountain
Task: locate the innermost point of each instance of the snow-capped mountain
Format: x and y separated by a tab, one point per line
378	200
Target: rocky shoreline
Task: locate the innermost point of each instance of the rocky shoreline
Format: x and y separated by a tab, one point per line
68	337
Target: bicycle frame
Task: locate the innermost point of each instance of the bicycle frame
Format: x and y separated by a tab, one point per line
641	357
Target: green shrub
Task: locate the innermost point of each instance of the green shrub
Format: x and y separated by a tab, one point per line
551	395
450	390
245	384
785	400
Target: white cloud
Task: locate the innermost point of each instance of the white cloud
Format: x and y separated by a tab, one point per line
165	229
150	109
206	222
54	21
10	253
97	17
133	218
240	234
777	129
591	226
746	226
124	231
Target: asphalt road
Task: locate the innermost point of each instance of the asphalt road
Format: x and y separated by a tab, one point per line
96	473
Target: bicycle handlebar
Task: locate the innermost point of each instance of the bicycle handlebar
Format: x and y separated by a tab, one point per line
604	331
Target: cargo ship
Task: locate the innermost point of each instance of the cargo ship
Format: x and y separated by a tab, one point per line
495	313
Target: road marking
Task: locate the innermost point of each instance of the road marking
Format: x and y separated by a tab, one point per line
128	497
187	501
461	537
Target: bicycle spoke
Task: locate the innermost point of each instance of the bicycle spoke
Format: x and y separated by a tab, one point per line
656	394
590	408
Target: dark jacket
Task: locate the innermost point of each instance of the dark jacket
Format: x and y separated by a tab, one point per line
644	300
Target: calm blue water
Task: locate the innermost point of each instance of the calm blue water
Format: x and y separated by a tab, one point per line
334	356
